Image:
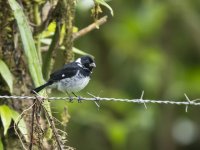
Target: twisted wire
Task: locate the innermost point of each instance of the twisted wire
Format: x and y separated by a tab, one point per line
96	98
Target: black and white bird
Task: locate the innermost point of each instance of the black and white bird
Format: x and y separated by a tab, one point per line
73	77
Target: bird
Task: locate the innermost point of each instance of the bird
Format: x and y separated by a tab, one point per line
73	77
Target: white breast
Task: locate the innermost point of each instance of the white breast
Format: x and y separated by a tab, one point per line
74	84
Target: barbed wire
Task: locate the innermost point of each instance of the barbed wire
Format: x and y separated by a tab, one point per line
96	99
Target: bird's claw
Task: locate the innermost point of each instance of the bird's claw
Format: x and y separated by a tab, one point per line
79	99
71	99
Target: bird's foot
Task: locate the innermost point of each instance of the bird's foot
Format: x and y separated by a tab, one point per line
79	99
71	99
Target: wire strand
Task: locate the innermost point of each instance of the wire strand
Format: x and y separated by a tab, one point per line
97	98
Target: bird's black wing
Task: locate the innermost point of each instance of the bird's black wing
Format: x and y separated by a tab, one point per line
67	71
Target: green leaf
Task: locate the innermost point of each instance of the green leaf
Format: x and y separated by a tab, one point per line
6	117
102	2
30	51
80	52
1	145
47	41
20	124
28	43
7	114
6	74
48	134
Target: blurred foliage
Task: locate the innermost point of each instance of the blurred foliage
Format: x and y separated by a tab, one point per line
148	45
28	43
7	115
6	74
1	145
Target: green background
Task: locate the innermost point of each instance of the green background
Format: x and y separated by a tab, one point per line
148	45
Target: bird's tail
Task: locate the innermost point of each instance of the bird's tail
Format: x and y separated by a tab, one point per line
38	89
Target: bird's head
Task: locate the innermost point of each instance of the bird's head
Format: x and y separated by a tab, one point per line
86	62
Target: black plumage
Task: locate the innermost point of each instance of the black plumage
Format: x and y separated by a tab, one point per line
72	77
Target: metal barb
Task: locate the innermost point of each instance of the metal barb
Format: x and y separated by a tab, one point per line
141	98
96	99
186	107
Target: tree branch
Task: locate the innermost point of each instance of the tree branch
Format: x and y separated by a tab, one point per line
50	56
69	22
89	28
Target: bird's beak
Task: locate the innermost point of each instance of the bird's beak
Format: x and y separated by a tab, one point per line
92	65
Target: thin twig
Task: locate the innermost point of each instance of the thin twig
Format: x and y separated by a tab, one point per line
53	128
16	124
19	138
50	56
52	124
32	126
45	23
89	28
